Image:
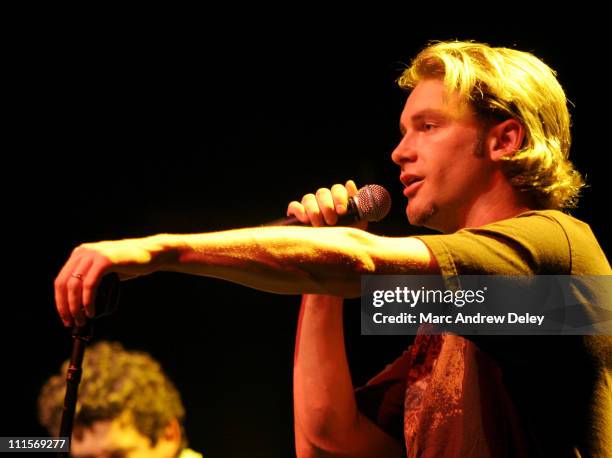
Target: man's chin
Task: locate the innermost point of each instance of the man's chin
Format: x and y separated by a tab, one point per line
418	216
412	220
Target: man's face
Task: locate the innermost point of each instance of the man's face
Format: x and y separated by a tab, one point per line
441	156
119	439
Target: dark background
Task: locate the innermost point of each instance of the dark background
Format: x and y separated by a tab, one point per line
143	127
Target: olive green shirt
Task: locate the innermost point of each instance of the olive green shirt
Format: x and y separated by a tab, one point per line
491	396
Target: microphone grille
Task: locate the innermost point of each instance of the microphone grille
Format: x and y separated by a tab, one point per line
373	202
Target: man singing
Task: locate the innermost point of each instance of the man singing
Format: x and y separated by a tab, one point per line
484	160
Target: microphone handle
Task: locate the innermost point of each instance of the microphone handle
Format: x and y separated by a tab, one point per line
351	216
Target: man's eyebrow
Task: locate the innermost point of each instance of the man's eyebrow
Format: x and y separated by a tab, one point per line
420	115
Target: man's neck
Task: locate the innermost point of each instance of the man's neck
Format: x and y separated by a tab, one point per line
501	201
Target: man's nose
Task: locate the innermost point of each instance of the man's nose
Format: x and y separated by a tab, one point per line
404	151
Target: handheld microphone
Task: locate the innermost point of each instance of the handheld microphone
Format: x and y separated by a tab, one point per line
371	203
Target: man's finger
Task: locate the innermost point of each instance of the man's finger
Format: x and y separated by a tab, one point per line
340	197
74	285
309	201
326	206
351	188
90	286
297	209
60	289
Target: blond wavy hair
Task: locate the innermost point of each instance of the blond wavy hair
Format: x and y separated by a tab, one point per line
502	83
115	381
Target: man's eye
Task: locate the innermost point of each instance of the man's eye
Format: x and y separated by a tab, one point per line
429	127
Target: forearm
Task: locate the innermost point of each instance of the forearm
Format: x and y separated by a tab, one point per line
284	260
324	401
292	260
327	420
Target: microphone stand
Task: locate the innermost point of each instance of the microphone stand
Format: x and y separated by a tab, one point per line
80	336
106	303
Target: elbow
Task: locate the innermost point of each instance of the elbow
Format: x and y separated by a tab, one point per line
329	438
312	451
323	433
305	449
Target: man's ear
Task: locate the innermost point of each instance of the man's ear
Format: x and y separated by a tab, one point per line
172	432
505	139
169	444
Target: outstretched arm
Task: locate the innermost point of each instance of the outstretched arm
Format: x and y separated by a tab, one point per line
285	260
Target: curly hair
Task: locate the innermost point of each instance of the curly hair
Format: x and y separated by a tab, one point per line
503	83
115	381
